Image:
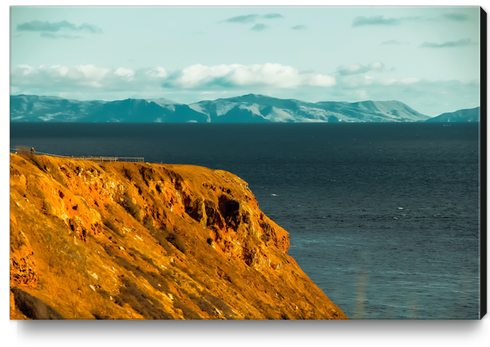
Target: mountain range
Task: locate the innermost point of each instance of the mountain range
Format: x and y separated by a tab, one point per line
251	108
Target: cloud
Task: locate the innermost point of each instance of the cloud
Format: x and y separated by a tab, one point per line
356	69
459	43
272	15
460	17
236	75
299	27
250	18
375	20
25	69
159	72
321	81
89	27
128	73
93	79
44	76
37	25
40	26
91	75
381	20
362	81
393	43
260	27
59	36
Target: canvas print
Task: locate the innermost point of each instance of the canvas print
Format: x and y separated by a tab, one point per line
246	163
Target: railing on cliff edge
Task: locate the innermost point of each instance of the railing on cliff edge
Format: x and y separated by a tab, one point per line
96	159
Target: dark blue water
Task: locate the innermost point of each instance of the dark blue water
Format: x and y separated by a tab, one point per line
384	218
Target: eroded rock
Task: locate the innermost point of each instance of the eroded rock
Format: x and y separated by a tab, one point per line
154	242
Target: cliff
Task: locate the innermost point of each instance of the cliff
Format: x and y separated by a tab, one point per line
147	241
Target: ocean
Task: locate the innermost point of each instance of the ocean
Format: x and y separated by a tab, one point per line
383	217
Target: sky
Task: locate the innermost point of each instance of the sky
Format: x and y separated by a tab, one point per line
426	57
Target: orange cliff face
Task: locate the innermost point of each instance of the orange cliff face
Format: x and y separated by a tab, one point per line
148	241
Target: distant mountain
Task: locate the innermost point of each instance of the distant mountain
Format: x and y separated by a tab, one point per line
259	108
466	115
33	108
249	108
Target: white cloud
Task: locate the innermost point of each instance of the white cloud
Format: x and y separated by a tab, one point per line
350	70
354	81
195	75
322	81
92	73
355	69
198	77
62	70
268	74
236	75
124	72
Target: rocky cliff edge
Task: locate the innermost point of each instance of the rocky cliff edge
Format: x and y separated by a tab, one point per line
147	241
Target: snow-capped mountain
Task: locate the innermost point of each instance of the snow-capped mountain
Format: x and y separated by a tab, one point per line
466	115
259	108
244	109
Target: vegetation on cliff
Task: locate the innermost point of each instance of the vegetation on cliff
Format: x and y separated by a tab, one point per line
148	241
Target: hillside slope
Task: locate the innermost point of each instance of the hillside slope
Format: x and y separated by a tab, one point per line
460	116
148	241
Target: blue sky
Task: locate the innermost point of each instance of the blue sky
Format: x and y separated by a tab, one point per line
427	57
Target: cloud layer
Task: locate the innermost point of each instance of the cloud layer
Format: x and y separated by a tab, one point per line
381	20
251	18
40	26
197	77
458	43
456	16
236	75
374	20
356	69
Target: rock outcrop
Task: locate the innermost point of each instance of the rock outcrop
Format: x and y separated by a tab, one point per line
148	241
